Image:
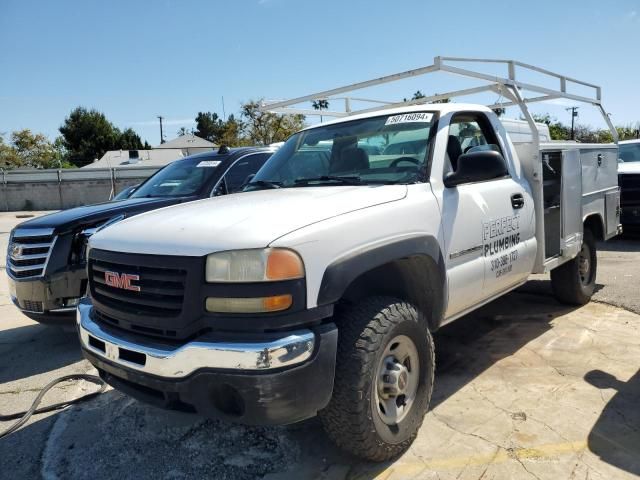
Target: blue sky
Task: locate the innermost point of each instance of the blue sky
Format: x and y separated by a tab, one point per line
134	60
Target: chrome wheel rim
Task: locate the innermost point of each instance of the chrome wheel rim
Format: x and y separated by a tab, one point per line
584	264
397	379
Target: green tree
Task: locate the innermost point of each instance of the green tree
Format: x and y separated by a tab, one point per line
416	96
29	150
209	126
182	132
557	130
87	135
232	133
629	132
9	158
130	140
264	128
444	100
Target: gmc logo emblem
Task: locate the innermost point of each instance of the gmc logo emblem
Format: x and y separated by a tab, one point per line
122	280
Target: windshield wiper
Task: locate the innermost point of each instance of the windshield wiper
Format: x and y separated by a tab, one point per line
153	195
347	180
264	183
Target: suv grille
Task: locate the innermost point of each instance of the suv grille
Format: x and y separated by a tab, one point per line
32	306
630	189
161	292
27	255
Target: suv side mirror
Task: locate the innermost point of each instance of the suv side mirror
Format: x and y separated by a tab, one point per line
477	166
221	189
246	181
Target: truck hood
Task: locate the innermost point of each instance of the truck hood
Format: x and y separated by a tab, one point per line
245	220
628	167
90	215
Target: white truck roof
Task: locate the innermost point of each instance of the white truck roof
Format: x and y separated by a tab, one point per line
440	108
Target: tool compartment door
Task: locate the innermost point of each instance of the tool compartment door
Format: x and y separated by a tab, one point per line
571	207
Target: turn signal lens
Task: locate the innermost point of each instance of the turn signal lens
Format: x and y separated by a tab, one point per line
276	303
283	265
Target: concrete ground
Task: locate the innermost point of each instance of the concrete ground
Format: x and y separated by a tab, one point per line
525	388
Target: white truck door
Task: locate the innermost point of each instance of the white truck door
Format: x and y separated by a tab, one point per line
464	209
484	235
508	232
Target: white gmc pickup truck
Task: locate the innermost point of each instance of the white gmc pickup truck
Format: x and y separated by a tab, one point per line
315	291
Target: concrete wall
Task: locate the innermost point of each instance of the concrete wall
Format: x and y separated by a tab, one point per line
59	190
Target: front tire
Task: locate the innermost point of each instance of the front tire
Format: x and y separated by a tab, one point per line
383	381
575	281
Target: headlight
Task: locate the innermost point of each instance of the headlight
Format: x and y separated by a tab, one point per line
264	265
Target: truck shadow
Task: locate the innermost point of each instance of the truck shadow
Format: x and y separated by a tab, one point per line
33	349
472	344
542	287
615	437
628	242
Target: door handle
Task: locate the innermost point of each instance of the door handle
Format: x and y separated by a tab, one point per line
517	200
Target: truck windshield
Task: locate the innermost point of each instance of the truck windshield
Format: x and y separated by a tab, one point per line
178	179
376	150
629	152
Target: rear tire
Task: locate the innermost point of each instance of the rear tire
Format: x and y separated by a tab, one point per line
575	281
384	378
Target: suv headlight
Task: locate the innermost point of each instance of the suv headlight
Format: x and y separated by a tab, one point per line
249	266
263	265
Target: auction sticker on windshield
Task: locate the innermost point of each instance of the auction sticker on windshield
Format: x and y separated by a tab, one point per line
422	117
209	163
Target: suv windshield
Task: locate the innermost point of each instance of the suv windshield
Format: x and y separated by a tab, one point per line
377	150
180	178
629	152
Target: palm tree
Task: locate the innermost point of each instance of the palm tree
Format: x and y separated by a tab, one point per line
322	104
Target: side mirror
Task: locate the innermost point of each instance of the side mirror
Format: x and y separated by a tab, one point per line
477	166
220	190
246	181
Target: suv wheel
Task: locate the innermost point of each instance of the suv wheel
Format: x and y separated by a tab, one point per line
384	378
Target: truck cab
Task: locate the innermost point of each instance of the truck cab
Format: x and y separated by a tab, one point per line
315	292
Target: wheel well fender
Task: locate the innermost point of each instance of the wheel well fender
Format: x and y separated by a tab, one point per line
410	269
595	223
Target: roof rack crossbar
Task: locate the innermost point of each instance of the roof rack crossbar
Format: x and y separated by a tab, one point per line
510	87
356	86
514	63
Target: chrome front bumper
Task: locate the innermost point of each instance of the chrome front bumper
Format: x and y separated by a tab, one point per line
171	361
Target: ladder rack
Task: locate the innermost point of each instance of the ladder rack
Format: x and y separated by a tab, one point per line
509	87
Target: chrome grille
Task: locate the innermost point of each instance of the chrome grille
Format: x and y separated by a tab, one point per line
29	251
32	306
